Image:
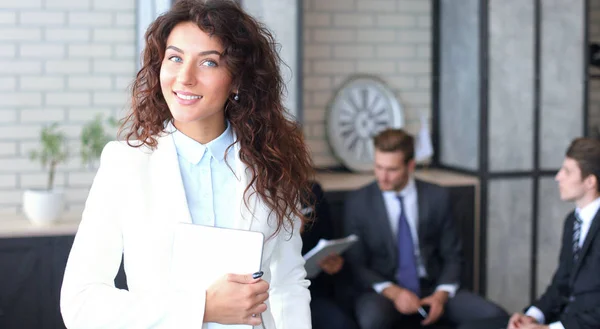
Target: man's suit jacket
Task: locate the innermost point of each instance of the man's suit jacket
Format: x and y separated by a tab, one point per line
337	287
136	200
320	227
573	296
375	257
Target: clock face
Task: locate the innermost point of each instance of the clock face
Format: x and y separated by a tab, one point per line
362	108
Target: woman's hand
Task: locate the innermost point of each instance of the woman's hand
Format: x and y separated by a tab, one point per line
236	299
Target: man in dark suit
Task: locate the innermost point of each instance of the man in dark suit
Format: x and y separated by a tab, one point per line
409	254
329	288
572	300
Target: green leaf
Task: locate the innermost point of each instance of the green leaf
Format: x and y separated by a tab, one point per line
53	150
93	139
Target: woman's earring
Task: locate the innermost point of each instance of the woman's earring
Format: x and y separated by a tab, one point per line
236	97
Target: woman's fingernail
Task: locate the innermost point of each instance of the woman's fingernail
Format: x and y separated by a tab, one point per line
257	275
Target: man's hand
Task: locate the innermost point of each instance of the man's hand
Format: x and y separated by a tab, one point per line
520	321
405	301
535	326
236	299
436	303
332	264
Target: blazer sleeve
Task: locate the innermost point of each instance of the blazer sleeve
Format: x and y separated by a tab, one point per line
552	301
358	255
289	297
589	319
450	244
89	298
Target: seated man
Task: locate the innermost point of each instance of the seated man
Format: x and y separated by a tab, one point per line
572	300
409	253
325	289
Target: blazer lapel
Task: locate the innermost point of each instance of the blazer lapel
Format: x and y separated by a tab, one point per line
423	208
167	185
383	222
587	243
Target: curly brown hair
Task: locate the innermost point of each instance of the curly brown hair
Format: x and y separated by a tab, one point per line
270	145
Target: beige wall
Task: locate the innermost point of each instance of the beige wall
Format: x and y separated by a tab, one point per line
60	61
387	38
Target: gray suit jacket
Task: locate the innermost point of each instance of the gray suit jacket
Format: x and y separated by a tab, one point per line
374	258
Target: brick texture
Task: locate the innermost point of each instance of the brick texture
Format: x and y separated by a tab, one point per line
60	61
390	39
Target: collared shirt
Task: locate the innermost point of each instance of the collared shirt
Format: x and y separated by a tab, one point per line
586	214
392	206
209	181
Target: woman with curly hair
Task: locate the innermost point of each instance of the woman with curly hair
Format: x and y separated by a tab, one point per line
207	143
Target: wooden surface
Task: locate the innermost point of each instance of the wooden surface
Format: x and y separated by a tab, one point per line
12	226
18	226
340	181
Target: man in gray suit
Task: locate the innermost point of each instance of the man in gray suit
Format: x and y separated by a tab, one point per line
408	259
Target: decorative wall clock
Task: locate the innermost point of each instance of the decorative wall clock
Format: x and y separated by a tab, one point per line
360	109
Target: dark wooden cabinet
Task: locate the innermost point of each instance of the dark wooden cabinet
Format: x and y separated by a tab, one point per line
61	246
30	281
31	273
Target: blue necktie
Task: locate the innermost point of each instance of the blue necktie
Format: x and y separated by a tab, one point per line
406	275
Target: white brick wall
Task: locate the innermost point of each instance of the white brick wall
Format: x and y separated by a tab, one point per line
60	61
594	84
387	38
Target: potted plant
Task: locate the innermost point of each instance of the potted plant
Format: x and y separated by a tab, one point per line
93	139
43	206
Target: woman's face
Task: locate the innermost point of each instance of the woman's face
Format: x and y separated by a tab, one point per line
193	79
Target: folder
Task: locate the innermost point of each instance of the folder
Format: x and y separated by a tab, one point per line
203	254
323	249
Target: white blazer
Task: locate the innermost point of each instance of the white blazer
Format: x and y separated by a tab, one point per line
136	199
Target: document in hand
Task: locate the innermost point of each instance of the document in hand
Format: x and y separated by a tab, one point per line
323	249
202	254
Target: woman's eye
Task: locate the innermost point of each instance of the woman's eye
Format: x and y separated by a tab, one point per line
175	59
209	63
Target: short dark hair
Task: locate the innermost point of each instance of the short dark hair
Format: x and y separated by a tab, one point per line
393	140
586	152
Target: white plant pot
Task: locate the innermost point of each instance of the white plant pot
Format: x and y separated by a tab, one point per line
43	207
